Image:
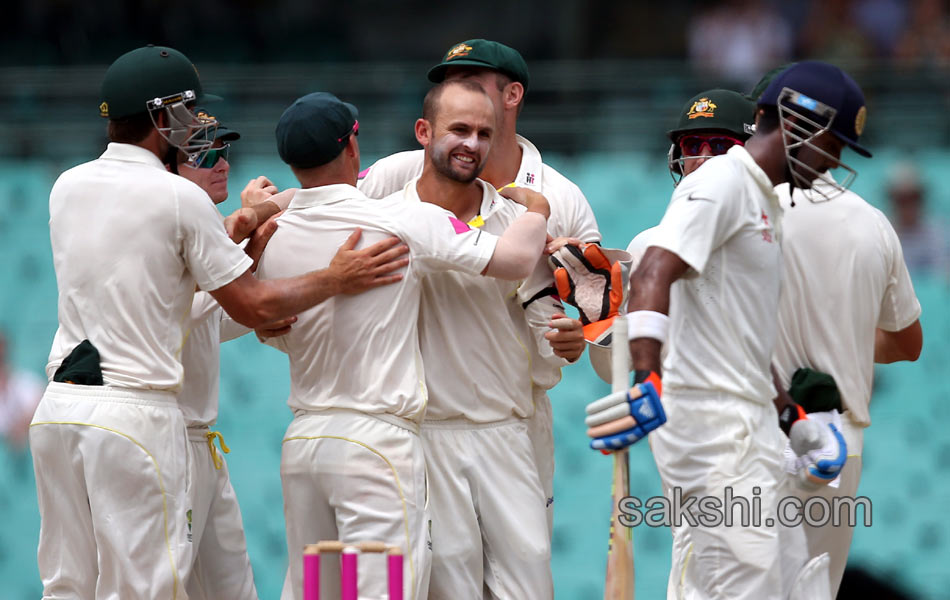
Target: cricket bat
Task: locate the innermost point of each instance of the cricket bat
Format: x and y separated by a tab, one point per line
620	577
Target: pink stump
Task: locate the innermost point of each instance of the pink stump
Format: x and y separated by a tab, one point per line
311	577
394	569
348	586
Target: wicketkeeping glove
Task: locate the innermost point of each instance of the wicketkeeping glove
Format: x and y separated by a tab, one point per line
623	418
594	280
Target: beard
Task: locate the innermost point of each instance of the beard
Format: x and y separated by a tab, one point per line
442	161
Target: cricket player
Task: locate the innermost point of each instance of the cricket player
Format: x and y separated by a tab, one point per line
710	123
514	160
221	567
352	466
130	243
847	302
717	261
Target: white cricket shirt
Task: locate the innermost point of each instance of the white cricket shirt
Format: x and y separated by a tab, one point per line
361	352
844	276
475	345
721	221
130	240
571	216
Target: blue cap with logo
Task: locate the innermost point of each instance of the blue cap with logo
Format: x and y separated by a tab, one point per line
815	87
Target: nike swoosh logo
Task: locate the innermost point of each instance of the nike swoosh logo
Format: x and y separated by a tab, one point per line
692	197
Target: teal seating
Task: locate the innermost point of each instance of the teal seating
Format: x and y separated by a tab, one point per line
907	451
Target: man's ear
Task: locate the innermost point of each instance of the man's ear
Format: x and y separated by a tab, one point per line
423	132
352	147
513	94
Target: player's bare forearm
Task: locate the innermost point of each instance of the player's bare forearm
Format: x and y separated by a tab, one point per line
253	302
650	290
530	199
265	210
895	346
241	223
518	249
645	354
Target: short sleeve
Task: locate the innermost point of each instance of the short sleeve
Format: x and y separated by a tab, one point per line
212	258
390	174
584	224
438	241
704	213
638	246
899	306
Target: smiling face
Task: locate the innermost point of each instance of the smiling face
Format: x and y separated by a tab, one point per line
213	180
461	133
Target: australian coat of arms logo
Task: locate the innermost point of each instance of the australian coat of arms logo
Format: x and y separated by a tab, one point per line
457	51
704	107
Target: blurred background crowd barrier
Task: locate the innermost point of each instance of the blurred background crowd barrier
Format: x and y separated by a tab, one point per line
607	81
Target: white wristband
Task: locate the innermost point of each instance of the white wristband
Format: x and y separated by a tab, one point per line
648	324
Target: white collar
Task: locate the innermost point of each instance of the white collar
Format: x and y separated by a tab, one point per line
491	199
324	194
132	153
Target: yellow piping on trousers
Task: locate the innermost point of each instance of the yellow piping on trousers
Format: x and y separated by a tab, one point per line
161	486
402	496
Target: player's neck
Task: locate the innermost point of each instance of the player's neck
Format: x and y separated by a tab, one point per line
156	144
504	159
464	200
767	152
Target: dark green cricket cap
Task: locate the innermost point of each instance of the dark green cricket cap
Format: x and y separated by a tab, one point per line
815	391
486	54
144	74
716	110
221	132
315	129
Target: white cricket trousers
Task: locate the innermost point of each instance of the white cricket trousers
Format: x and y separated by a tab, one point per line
222	569
836	541
710	442
112	481
541	430
355	477
489	529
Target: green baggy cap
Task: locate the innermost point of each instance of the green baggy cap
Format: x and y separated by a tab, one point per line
483	53
815	391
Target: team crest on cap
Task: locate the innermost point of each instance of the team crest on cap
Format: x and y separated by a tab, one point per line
860	120
204	117
704	107
458	51
104	109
